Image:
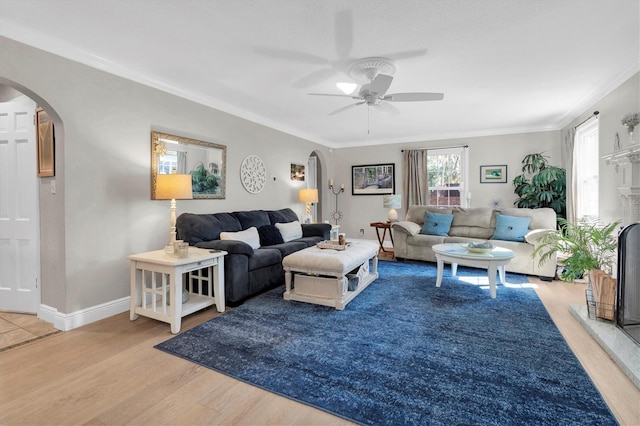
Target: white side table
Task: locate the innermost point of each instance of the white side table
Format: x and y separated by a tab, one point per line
155	273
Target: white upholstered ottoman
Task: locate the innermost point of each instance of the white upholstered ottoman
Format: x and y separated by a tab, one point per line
319	276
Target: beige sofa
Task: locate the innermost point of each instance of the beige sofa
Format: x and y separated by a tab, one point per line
476	224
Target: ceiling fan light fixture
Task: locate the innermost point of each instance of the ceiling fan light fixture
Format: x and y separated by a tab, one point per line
346	88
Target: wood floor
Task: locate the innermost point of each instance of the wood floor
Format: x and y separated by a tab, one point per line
108	373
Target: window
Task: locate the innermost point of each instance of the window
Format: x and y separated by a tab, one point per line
586	171
167	163
446	170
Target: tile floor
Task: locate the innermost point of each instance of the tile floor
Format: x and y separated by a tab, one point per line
17	329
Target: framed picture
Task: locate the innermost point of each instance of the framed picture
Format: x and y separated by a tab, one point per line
375	179
297	172
493	174
46	144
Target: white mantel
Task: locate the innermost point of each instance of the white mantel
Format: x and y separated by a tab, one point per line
627	162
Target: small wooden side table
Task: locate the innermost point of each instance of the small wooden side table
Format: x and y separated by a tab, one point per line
384	226
155	273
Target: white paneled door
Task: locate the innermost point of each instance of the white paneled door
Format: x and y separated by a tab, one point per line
19	215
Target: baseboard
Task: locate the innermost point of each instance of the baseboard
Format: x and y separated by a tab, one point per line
66	322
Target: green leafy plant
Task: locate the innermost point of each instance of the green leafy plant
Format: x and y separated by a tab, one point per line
541	185
203	181
587	245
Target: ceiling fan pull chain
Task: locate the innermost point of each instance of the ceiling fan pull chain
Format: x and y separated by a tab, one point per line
368	119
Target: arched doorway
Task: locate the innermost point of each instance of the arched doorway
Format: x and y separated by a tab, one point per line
315	171
19	205
49	258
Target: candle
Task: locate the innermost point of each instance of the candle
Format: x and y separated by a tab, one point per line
330	182
342	186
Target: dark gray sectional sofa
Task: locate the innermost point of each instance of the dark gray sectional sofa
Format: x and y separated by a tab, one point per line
248	271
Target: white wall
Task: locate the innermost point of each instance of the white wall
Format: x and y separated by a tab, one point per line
360	210
102	210
621	101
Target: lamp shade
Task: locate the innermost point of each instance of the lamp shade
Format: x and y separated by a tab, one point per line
391	201
173	187
308	195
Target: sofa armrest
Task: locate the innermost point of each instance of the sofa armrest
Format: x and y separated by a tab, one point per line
406	227
316	230
230	246
534	236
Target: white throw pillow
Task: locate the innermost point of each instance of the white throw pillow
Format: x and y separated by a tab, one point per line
290	231
249	236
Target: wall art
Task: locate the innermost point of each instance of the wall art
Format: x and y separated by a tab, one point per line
493	174
46	144
375	179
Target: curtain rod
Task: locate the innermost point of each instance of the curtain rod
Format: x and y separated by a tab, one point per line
595	114
441	147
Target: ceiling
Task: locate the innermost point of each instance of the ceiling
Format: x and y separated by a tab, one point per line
505	66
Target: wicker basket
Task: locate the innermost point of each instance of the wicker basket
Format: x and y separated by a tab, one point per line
598	311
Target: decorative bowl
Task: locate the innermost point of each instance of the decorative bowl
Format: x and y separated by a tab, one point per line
483	247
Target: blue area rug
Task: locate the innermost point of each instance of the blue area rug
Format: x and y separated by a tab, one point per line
405	352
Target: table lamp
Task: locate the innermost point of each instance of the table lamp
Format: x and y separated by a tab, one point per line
308	196
173	187
392	202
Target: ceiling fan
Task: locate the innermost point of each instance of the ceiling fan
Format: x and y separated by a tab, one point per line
378	72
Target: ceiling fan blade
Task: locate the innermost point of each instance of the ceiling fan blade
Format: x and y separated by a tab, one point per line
339	95
343	32
290	55
314	78
387	108
414	97
380	84
407	54
346	108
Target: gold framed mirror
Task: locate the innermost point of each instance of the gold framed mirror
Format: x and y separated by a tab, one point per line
206	162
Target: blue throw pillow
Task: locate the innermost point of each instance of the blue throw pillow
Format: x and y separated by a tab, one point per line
270	235
437	224
511	228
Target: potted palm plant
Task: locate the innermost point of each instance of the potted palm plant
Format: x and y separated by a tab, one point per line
586	244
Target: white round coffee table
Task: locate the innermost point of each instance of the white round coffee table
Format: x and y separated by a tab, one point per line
456	254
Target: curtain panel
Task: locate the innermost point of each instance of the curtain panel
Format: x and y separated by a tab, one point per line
415	188
566	157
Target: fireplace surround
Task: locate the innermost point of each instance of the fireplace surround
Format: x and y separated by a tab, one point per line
628	292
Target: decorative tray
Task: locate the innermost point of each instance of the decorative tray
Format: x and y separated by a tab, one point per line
473	249
332	245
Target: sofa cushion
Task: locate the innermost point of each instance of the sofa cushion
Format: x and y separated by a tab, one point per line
322	230
542	218
416	213
291	247
511	228
230	246
310	241
472	223
251	218
437	223
195	228
282	216
249	236
406	227
535	237
290	231
263	257
270	235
